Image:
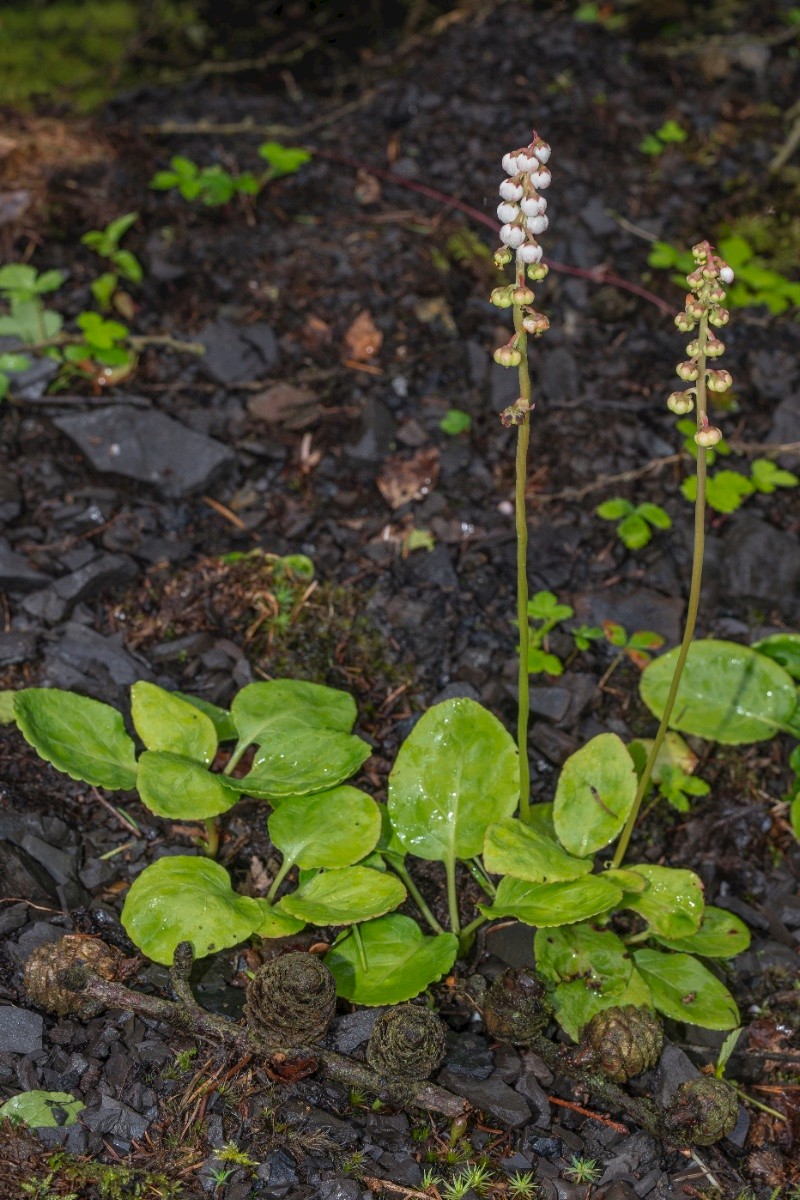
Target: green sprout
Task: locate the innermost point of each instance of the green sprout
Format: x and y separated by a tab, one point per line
583	1170
635	522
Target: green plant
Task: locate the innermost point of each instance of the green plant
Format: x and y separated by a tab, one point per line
455	421
38	1109
726	491
22	288
220	1175
756	282
635	522
124	264
671	133
635	646
214	186
593	13
582	1170
522	1186
544	613
430	1180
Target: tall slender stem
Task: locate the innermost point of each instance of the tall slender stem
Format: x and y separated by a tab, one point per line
520	516
692	607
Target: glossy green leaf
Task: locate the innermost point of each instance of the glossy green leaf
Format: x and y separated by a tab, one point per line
598	958
627	881
614	510
297	764
655	515
594	794
331	829
388	842
682	988
575	1004
548	904
345	896
674	752
728	693
456	774
401	961
261	710
541	820
671	903
42	1110
720	935
7	714
274	923
81	737
220	718
185	899
181	788
283	160
634	531
166	722
512	848
784	648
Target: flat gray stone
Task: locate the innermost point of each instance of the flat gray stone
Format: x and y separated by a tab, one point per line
20	1030
16	573
16	647
762	563
237	352
148	446
491	1096
105	571
639	608
115	1119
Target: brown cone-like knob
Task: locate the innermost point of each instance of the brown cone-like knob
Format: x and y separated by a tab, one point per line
702	1111
291	1000
407	1042
42	969
516	1008
621	1042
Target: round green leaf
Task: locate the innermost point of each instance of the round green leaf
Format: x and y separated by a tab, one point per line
598	958
595	793
728	693
181	788
671	903
42	1110
260	710
185	899
456	774
274	923
401	961
345	896
512	848
547	904
682	988
81	737
575	1004
297	764
784	648
720	935
166	722
332	829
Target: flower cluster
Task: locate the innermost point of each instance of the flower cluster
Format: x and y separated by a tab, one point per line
703	308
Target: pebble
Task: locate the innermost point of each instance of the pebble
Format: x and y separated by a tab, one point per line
20	1030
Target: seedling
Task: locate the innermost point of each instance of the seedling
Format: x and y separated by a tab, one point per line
726	491
544	613
214	186
583	1170
671	133
522	1186
455	421
635	646
687	428
124	264
635	522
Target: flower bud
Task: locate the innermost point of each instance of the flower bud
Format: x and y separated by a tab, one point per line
714	347
708	437
685	322
535	323
710	272
510	190
700	252
693	349
507	356
516	413
537	224
681	403
507	212
719	317
533	206
541	150
501	297
512	235
726	274
718	381
530	253
522	295
510	164
527	162
541	179
687	371
502	257
538	271
695	279
716	295
693	308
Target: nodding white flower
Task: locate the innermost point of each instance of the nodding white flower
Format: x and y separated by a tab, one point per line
510	190
507	212
542	152
513	236
526	162
533	206
510	164
726	274
530	253
537	224
541	179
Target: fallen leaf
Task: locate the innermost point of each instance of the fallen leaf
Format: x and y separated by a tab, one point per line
435	308
363	339
367	189
404	479
285	404
284	1070
259	877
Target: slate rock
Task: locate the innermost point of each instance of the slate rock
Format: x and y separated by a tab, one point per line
237	352
550	702
148	446
61	865
338	1188
376	435
115	1119
619	1190
105	571
435	568
762	563
559	376
640	608
786	428
278	1173
468	1055
20	1030
31	384
16	647
353	1029
16	573
490	1096
91	652
21	876
512	944
674	1068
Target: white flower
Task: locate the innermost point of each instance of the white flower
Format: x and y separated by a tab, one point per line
512	235
510	164
533	206
537	224
542	152
541	179
530	253
507	212
510	190
726	274
527	163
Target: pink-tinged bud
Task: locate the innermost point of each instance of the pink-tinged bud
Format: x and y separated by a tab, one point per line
502	257
681	403
726	275
685	323
530	253
719	317
716	294
537	224
510	190
695	279
718	381
522	295
506	356
710	272
512	235
541	179
533	206
535	323
510	164
501	297
708	437
527	162
693	348
687	371
694	309
700	252
542	151
507	212
714	347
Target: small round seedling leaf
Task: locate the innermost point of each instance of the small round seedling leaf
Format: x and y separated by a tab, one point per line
181	788
728	693
166	722
343	897
784	648
575	1004
671	902
614	510
513	848
81	737
298	764
331	829
220	718
262	710
598	958
685	990
42	1110
549	904
401	961
720	935
274	923
185	899
594	795
455	774
634	531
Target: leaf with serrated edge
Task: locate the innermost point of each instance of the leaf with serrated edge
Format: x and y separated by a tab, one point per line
672	901
301	763
343	897
220	718
548	904
721	935
263	710
595	792
331	829
685	990
165	722
81	737
401	961
513	848
181	788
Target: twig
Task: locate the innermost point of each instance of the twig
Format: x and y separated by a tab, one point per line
587	1112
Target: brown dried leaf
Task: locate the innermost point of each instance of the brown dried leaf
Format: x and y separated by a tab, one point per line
363	339
405	479
287	405
367	189
259	877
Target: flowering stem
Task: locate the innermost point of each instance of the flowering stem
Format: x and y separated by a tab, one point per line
693	605
523	686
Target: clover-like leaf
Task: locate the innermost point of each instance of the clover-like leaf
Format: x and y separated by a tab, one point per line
81	737
181	788
331	829
594	794
399	961
548	904
166	722
345	896
671	903
184	899
720	934
685	990
513	848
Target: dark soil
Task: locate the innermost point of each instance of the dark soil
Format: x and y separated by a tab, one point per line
112	575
